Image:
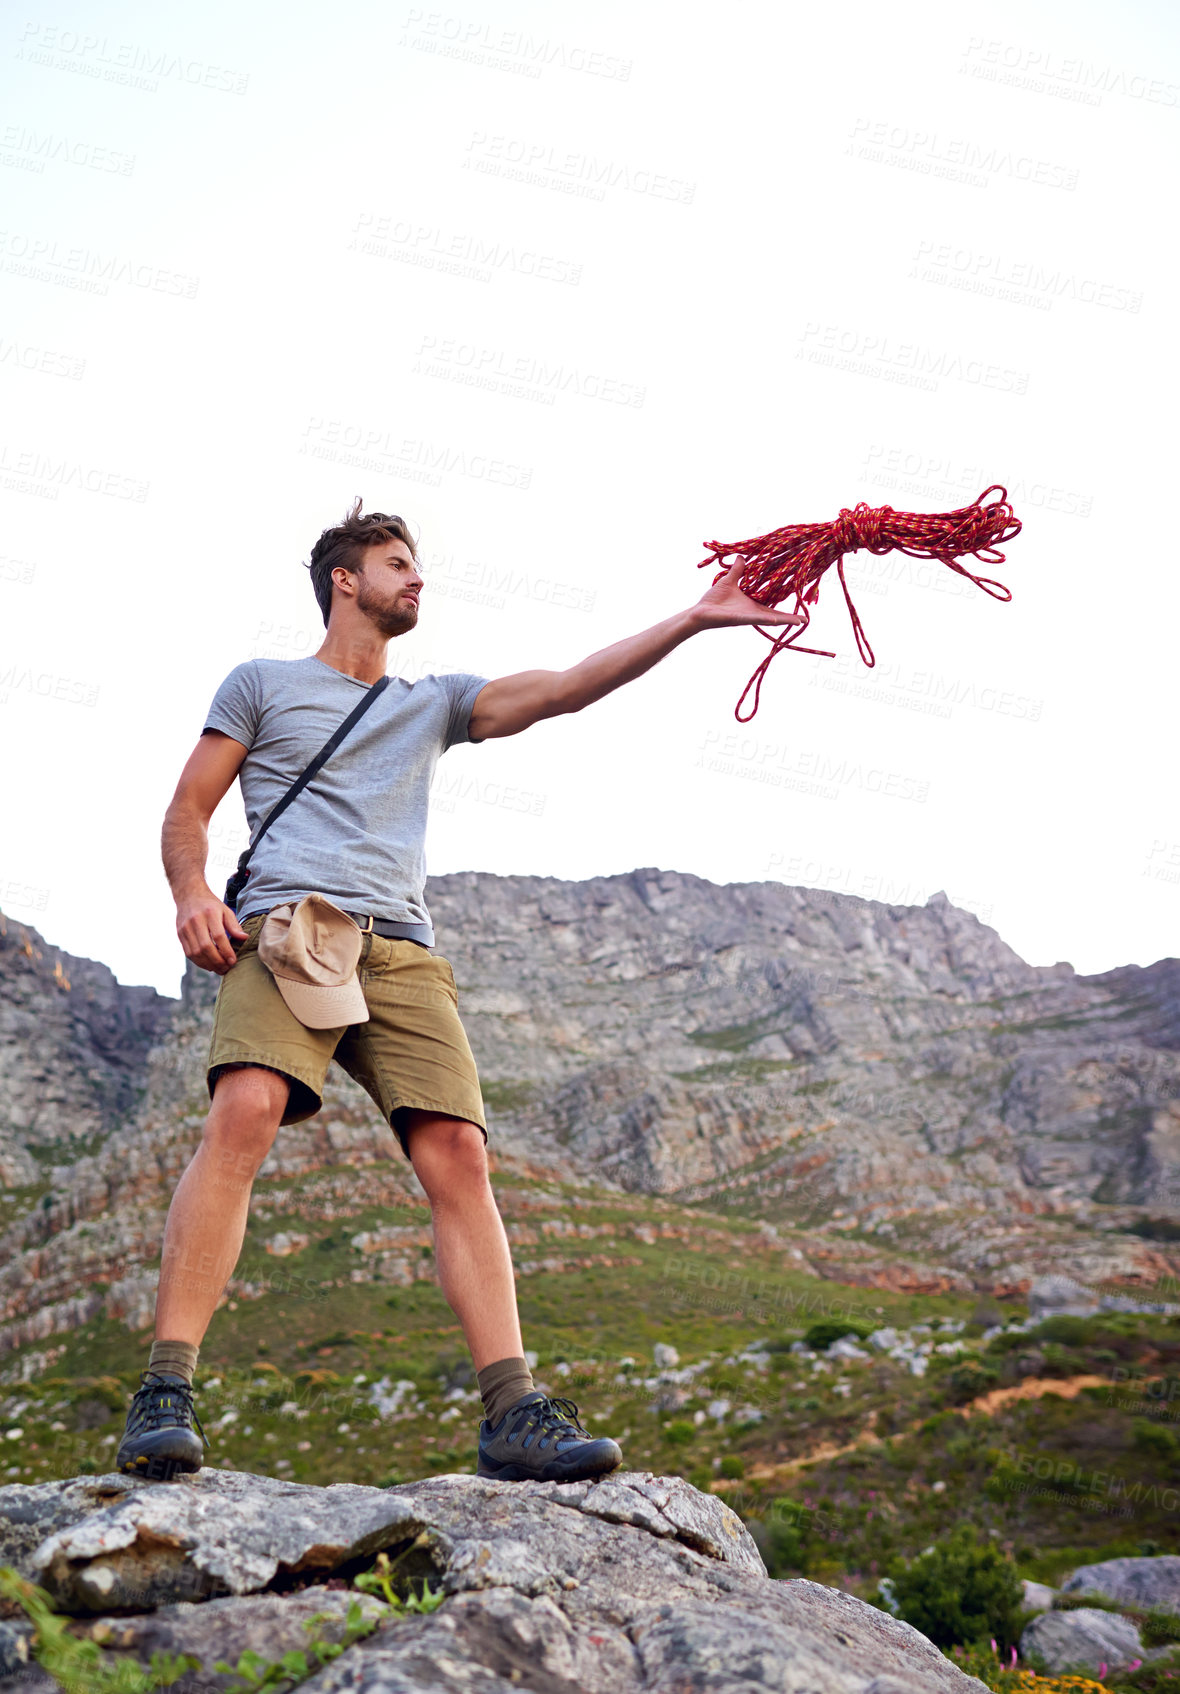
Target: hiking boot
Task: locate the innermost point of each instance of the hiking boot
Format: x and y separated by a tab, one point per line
159	1440
541	1439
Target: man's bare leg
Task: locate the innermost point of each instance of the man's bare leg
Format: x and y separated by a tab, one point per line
207	1218
470	1246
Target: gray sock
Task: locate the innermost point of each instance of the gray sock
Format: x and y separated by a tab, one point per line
176	1358
502	1384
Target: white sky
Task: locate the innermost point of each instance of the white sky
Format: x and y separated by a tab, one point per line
783	258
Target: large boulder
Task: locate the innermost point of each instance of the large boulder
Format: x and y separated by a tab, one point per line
1150	1584
1085	1639
635	1583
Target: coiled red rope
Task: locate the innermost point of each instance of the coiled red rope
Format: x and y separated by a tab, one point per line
793	560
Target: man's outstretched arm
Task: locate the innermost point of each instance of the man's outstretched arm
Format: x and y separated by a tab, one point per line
512	703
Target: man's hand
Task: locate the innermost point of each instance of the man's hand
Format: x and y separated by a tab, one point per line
724	605
205	924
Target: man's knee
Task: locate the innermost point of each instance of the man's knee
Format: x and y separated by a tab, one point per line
447	1153
248	1105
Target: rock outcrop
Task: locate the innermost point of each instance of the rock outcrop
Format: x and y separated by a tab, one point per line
633	1583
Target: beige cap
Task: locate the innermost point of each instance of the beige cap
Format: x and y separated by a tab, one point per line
312	951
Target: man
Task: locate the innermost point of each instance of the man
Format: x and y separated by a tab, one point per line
331	957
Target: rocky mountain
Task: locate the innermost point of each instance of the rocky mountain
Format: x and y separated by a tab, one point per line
73	1049
889	1093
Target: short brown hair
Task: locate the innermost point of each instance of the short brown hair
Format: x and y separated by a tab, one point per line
345	544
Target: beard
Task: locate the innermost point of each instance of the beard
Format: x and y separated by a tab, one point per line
389	616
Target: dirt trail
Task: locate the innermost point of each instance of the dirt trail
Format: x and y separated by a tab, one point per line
1033	1388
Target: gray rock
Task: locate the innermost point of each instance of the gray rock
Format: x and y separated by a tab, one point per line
1038	1596
139	1544
14	1647
1060	1296
635	1583
1153	1584
1081	1640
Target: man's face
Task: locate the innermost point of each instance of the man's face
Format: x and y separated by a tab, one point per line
387	589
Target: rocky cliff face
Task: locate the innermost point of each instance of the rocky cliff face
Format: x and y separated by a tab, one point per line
877	1083
73	1047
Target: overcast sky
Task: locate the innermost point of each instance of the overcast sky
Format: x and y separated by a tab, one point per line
575	289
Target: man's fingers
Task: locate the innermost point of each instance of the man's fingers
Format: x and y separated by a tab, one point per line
219	944
205	944
233	927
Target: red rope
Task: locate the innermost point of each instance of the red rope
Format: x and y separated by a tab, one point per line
793	560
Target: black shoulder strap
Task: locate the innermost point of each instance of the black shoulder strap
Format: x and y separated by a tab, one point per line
236	883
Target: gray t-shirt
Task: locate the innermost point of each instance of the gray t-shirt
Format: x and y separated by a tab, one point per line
357	831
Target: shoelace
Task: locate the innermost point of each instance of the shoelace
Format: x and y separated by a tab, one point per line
146	1405
551	1413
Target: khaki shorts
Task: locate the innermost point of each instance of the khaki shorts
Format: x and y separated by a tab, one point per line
412	1053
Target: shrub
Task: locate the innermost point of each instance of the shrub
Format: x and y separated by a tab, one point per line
781	1544
732	1466
826	1330
960	1590
1151	1437
967	1382
679	1432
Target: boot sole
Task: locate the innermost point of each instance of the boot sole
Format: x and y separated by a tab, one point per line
524	1473
159	1464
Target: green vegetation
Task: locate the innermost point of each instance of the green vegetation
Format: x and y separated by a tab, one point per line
82	1667
821	1335
959	1590
507	1096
